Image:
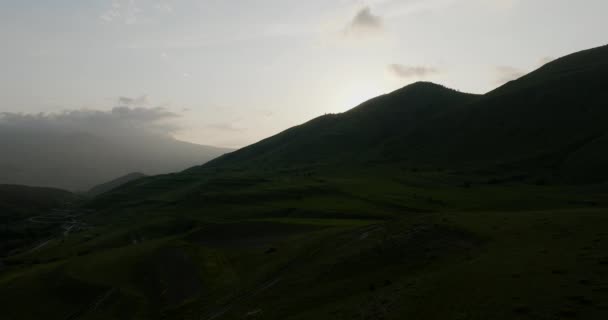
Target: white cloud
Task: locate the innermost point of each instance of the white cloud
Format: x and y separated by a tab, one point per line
545	60
131	116
125	11
404	71
505	74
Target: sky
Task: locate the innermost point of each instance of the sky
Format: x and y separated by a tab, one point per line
232	72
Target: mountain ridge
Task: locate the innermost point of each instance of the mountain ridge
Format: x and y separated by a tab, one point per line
532	129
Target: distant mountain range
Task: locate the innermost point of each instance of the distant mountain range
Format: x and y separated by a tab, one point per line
108	186
78	161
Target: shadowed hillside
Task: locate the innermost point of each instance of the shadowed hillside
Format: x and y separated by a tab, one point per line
425	203
18	204
357	135
108	186
547	127
78	161
548	123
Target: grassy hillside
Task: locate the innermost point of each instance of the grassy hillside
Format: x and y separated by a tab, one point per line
416	245
18	204
547	127
115	183
425	203
539	124
545	124
350	136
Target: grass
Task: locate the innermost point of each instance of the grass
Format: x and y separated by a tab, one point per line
348	247
425	204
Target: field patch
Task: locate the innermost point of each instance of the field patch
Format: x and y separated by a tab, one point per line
248	234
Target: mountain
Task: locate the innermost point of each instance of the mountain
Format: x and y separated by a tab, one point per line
78	161
546	127
346	136
105	187
18	202
550	122
425	203
350	136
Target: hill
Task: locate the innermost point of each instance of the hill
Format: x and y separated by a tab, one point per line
23	201
110	185
18	204
353	135
546	127
78	161
424	203
549	123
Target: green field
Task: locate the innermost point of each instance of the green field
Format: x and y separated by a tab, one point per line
344	248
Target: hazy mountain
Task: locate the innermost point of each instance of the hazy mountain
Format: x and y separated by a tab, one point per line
105	187
22	201
79	160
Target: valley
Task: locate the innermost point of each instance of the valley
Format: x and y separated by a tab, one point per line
425	203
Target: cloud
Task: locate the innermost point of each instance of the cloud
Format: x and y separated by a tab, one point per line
543	61
122	121
365	22
133	102
226	127
80	148
126	11
505	74
164	6
400	8
403	71
505	4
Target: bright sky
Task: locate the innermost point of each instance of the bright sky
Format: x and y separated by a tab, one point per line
237	71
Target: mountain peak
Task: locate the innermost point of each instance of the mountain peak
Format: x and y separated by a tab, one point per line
423	87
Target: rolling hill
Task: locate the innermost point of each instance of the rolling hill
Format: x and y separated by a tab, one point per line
115	183
550	121
425	203
547	127
18	204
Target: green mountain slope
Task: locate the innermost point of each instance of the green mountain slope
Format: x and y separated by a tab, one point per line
540	123
421	204
108	186
350	136
18	204
546	127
